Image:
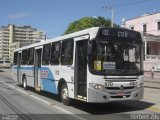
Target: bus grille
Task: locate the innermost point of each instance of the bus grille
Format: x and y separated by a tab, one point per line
118	88
120	96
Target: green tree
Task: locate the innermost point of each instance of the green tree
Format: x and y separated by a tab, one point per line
88	22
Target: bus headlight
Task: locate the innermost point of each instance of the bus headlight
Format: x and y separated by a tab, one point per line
140	82
96	86
140	85
133	82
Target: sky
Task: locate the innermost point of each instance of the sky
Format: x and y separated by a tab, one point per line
54	16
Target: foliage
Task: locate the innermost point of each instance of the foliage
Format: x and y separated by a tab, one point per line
88	22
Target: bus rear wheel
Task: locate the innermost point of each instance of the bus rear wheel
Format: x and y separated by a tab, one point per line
24	83
65	95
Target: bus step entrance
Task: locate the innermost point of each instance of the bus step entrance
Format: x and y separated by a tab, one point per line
38	89
82	89
82	98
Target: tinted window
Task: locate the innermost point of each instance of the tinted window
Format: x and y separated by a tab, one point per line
46	54
132	28
24	57
7	61
15	58
55	53
31	56
144	28
67	52
158	25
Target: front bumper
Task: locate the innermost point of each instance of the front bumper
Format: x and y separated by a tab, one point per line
97	96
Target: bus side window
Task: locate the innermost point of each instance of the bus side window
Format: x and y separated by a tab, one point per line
31	56
55	53
46	54
67	52
15	58
24	57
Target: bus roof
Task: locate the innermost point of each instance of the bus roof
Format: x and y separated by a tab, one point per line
92	32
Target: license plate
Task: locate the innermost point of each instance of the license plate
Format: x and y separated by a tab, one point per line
120	93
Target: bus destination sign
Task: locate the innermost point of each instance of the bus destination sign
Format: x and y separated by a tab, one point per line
118	33
107	32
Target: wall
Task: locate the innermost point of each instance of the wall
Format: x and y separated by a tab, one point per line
149	19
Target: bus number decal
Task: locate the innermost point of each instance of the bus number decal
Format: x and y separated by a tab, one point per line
108	84
122	34
44	74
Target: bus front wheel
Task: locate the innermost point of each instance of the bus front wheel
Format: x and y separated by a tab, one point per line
65	95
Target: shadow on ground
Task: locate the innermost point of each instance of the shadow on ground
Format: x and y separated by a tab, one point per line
112	107
102	108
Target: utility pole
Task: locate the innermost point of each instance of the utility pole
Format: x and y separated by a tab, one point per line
112	12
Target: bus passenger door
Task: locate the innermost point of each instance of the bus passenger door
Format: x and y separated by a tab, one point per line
37	66
18	67
81	69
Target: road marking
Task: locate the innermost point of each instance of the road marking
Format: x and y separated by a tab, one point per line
37	98
46	102
22	91
70	113
8	84
148	98
154	109
58	108
51	104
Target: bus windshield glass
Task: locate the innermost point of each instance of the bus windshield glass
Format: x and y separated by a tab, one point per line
112	57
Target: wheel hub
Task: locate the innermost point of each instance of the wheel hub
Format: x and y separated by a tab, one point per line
65	93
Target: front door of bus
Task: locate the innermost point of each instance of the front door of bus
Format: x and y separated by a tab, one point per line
37	66
18	66
81	68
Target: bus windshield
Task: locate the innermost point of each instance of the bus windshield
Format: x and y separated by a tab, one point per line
115	58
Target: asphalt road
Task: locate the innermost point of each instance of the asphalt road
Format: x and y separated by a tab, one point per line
28	105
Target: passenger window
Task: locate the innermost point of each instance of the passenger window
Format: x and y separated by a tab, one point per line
24	57
67	52
15	58
55	53
30	56
46	54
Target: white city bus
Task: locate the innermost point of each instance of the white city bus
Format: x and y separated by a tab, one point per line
97	65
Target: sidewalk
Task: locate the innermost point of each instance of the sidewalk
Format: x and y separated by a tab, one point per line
152	82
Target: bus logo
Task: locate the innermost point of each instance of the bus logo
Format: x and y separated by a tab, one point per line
121	87
122	34
44	74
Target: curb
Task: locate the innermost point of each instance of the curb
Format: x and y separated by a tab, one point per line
152	87
152	81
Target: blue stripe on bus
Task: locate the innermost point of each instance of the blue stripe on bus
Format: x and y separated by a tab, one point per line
24	68
48	83
29	76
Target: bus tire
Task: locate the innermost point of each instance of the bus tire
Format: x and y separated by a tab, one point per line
24	82
65	95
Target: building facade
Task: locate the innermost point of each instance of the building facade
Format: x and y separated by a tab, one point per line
149	25
13	37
